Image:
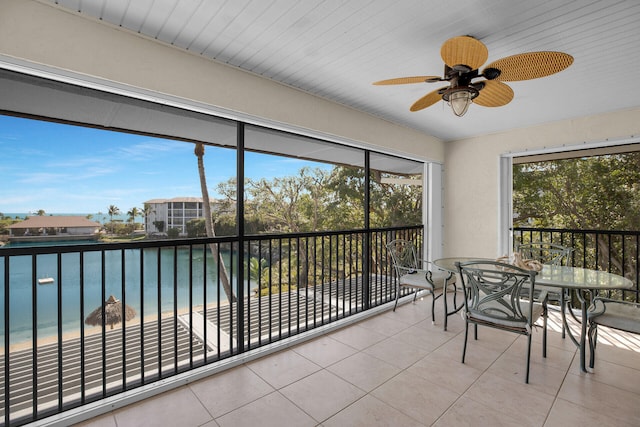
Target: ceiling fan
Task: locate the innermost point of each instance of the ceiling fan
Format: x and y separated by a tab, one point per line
463	56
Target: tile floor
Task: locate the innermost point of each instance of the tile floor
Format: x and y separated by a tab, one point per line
398	369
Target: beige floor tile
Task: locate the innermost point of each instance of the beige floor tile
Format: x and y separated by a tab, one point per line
447	371
479	355
424	335
618	351
322	394
557	357
416	397
565	413
384	325
617	375
283	368
614	402
505	396
272	410
492	338
226	391
107	420
543	378
371	412
364	371
397	353
466	412
554	333
179	407
358	337
411	313
324	351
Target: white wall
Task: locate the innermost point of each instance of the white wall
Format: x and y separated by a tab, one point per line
472	168
43	34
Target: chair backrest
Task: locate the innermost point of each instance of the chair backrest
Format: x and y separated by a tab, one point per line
546	253
494	293
403	255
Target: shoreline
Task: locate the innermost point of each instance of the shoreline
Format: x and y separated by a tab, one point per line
94	330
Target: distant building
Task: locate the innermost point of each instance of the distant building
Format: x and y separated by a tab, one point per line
163	214
50	228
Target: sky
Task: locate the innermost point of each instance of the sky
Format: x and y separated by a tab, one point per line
70	169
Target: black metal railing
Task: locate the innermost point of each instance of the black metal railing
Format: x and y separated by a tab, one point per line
64	346
613	251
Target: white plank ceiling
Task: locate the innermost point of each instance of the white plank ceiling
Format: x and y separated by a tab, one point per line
335	49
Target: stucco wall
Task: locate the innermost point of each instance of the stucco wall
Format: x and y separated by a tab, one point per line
44	34
472	168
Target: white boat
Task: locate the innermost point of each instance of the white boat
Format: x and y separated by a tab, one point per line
45	281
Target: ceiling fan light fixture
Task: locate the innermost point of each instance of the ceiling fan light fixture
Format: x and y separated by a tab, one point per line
460	98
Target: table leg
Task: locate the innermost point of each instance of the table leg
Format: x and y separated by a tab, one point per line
583	331
447	313
581	342
564	306
444	295
456	308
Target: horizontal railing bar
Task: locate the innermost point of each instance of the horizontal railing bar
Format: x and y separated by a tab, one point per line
577	231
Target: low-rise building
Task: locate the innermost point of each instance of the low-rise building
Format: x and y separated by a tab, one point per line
54	227
164	214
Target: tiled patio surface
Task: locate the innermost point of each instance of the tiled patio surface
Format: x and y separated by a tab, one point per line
398	369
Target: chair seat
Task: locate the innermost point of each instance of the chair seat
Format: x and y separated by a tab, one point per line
622	316
417	280
493	318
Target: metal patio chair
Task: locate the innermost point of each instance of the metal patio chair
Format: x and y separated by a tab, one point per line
500	295
615	314
551	254
412	272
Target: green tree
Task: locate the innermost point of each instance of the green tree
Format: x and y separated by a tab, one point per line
159	225
196	228
113	210
598	193
132	214
173	233
40	212
589	193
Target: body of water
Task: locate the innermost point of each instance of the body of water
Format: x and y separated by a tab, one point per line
149	280
102	218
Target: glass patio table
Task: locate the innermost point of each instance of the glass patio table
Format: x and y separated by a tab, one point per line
582	280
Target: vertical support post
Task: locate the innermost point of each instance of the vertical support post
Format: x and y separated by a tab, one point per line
505	200
432	214
366	250
241	239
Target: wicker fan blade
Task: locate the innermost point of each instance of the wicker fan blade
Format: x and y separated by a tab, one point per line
532	65
427	101
464	50
407	80
494	94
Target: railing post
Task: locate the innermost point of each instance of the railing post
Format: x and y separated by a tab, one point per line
366	250
241	235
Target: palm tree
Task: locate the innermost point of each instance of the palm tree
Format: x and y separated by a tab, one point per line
133	213
208	222
113	210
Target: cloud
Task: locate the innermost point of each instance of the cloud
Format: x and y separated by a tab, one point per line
42	178
149	149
